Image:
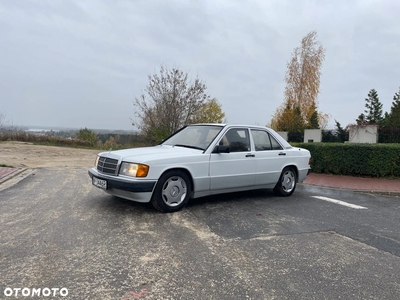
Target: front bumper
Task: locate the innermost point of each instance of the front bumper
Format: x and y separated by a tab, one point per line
131	189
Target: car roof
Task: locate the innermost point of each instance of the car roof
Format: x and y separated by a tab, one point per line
273	132
230	125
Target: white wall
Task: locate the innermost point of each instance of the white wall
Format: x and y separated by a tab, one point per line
363	134
313	135
283	134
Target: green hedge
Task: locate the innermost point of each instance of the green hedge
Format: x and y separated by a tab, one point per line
374	160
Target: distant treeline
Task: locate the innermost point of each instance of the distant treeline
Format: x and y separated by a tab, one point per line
70	138
122	139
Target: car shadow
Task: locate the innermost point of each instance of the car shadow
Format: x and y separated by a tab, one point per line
116	205
235	198
120	206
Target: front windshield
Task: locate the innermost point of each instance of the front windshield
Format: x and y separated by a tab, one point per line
194	136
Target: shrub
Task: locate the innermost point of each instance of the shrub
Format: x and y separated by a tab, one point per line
374	160
44	140
87	135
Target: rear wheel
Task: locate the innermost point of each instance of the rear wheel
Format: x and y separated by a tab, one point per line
287	182
172	191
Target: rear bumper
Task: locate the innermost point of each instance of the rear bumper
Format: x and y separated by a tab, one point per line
303	174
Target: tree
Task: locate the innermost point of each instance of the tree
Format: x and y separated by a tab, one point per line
393	118
88	135
2	119
313	122
341	133
170	101
302	87
373	113
289	119
210	112
361	119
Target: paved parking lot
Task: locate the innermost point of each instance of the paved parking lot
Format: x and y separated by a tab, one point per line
58	231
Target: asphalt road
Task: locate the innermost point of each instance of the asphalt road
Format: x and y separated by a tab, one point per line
57	231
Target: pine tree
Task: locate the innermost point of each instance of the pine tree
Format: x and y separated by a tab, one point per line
340	132
373	112
393	118
361	119
314	120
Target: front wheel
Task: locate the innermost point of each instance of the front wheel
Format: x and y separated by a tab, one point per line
172	191
287	182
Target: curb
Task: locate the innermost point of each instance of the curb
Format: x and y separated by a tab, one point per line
383	193
13	174
374	192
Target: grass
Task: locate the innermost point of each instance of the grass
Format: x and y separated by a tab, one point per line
6	166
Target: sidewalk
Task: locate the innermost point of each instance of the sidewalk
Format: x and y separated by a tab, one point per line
354	183
8	173
332	181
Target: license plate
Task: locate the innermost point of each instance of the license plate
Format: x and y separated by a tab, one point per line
100	183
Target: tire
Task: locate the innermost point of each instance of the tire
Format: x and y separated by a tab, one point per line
172	191
287	182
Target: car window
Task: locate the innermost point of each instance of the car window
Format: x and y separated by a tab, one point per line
261	140
212	133
275	144
264	141
195	136
237	139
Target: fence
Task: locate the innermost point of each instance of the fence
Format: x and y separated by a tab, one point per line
389	135
328	136
385	135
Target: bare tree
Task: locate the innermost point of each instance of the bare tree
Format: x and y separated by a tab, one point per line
302	87
2	119
170	101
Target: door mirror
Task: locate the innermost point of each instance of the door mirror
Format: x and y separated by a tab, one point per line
221	149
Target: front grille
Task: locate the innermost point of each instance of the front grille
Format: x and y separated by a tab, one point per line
107	165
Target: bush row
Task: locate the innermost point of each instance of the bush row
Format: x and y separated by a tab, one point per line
374	160
111	143
44	140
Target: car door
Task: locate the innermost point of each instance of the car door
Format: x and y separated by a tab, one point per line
270	157
235	169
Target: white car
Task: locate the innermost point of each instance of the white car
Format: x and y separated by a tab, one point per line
200	160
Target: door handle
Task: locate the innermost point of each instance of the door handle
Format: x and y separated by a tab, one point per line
282	153
250	155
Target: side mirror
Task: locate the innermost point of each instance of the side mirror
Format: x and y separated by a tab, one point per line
221	149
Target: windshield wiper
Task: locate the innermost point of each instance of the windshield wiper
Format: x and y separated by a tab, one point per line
189	146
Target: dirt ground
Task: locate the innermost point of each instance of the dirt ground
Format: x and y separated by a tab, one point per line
27	155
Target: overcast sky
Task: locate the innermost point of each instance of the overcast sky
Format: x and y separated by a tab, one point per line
82	63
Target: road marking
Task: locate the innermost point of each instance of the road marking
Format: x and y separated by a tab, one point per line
339	202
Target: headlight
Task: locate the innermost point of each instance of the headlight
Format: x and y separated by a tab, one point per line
133	170
96	161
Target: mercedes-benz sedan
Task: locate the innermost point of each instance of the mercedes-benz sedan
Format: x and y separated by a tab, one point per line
200	160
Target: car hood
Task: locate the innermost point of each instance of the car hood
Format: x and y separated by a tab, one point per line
145	154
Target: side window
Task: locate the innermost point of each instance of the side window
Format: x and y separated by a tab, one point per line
261	140
275	144
264	141
237	139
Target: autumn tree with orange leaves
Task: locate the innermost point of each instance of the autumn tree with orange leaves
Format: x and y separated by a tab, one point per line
299	110
210	112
